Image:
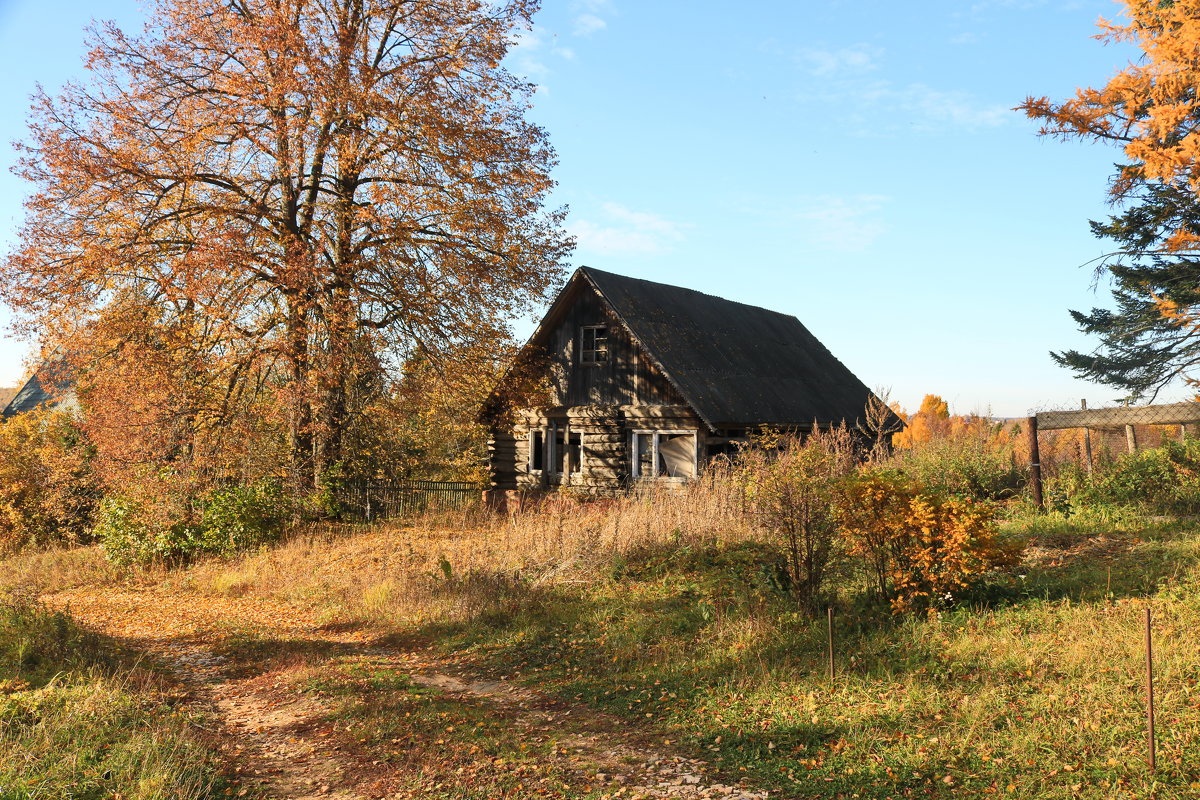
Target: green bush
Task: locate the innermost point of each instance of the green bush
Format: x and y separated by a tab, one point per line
242	517
1163	480
129	535
222	522
967	465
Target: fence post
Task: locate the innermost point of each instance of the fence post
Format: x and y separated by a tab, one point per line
1087	439
1035	462
1131	438
1149	692
829	613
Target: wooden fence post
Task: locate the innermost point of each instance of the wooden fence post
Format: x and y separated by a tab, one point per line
829	617
1149	692
1035	462
1087	439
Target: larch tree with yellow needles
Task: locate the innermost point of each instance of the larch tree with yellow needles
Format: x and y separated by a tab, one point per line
1152	110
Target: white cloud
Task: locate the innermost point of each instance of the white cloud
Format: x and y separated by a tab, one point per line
931	108
525	55
855	59
874	107
590	16
625	231
848	79
842	223
587	24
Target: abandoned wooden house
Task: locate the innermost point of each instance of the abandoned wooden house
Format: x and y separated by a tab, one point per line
648	382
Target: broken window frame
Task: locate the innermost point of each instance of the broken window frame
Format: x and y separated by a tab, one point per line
595	352
575	450
537	450
635	455
557	444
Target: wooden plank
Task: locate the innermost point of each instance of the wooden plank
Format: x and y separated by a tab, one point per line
1169	414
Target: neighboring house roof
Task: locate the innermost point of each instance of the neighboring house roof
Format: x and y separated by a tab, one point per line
47	386
734	364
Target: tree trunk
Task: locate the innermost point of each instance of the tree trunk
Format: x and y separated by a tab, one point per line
300	417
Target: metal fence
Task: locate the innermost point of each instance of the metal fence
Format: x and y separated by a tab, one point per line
370	500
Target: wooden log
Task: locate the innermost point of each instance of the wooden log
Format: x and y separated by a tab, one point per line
1169	414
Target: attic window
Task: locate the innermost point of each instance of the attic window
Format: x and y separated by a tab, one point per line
593	344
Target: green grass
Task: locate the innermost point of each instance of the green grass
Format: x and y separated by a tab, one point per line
1031	688
78	721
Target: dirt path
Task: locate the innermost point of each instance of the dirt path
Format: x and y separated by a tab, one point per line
286	742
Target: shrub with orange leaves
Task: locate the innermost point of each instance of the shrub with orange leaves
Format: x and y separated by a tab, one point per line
921	546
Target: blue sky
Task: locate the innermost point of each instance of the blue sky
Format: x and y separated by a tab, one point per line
855	164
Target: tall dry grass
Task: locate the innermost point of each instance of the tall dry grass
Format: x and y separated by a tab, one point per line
457	565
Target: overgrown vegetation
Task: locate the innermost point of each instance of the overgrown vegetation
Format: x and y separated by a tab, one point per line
1028	686
686	611
1159	480
79	722
48	490
140	531
793	486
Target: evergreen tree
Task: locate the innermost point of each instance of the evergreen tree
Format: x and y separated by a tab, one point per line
1152	336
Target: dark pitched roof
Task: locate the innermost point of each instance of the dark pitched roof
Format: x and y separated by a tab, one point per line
733	363
47	386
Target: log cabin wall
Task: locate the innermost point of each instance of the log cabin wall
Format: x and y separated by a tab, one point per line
603	404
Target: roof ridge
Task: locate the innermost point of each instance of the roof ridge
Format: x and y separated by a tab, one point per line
619	276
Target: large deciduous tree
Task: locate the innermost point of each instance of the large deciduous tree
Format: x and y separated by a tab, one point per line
1152	110
262	196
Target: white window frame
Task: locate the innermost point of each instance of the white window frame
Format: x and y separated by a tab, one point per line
593	361
636	461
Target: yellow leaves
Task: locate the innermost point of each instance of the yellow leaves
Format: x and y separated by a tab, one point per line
923	547
1150	107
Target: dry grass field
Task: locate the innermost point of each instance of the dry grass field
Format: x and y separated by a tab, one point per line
664	611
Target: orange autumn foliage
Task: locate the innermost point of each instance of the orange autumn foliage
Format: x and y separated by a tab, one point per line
48	490
922	547
930	421
1150	108
933	421
252	206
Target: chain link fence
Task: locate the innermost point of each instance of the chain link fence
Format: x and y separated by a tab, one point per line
1090	436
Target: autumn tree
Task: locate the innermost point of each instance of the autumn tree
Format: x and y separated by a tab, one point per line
930	421
1152	110
269	194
